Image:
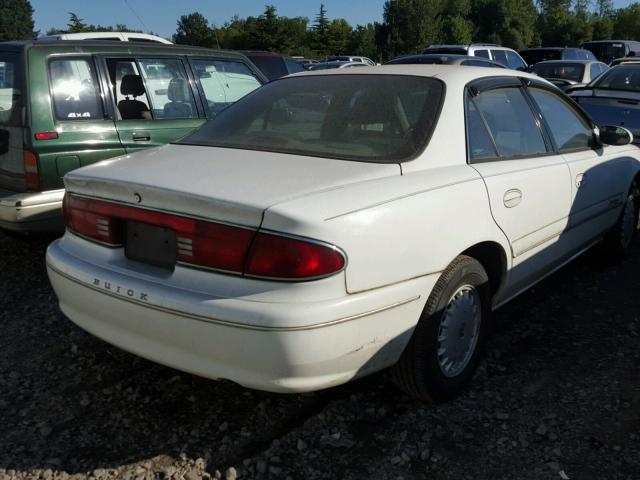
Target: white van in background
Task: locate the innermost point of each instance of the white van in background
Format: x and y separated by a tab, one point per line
117	36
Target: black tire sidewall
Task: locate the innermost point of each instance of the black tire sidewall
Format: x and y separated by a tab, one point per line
439	386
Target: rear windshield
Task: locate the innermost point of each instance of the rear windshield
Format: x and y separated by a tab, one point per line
605	52
535	56
10	89
621	77
562	71
371	118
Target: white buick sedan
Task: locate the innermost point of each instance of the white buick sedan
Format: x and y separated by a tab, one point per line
333	224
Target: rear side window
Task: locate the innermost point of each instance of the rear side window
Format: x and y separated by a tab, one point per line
223	82
370	118
482	53
10	89
479	142
74	89
511	122
569	130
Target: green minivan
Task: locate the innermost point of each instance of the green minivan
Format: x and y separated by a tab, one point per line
65	104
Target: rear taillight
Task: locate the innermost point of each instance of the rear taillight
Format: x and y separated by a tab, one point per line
275	256
32	178
208	244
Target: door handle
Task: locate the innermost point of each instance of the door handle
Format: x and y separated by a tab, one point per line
141	136
512	198
580	178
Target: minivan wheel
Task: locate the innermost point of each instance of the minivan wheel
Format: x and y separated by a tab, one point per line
618	241
446	345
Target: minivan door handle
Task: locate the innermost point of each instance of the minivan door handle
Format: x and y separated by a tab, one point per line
141	136
512	198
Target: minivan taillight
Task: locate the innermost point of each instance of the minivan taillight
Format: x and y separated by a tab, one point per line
205	244
31	176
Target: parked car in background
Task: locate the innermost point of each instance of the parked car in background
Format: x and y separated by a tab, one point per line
505	56
305	62
624	60
536	55
608	50
332	224
335	64
88	101
445	59
273	65
569	73
352	58
613	98
117	36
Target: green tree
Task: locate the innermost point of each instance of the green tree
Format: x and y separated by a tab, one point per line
320	35
193	29
556	23
507	22
76	24
602	20
363	41
627	22
16	20
455	26
339	36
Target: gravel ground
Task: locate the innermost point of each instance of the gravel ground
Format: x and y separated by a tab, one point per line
558	396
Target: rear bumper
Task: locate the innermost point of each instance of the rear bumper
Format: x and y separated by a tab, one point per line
31	211
271	340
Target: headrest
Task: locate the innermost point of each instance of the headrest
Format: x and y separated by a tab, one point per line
132	85
177	90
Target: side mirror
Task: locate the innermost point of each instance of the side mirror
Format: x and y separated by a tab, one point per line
611	135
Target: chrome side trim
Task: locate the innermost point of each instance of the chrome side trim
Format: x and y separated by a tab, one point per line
227	323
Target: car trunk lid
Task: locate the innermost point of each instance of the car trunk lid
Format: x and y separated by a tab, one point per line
223	184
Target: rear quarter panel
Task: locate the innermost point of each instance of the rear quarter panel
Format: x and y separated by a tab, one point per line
396	228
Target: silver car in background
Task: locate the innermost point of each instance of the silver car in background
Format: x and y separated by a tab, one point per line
566	74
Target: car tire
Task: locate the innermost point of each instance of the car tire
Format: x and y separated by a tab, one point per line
619	240
459	301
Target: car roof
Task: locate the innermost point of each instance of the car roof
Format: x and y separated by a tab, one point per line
90	43
447	56
569	61
450	74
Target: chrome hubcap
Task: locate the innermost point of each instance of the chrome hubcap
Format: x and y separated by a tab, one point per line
628	223
459	329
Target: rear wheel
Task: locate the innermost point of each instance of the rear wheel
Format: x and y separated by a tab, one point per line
617	243
444	350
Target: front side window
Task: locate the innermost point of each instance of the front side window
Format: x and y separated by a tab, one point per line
512	123
74	89
10	89
168	88
621	77
128	89
569	130
515	61
371	118
223	82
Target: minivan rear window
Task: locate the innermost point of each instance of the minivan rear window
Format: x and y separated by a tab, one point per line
371	118
10	89
74	89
